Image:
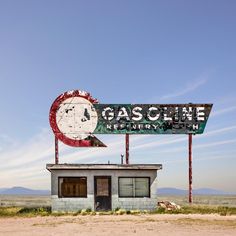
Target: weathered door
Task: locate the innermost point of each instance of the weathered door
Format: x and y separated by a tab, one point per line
102	193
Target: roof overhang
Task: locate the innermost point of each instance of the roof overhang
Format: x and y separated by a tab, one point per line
51	167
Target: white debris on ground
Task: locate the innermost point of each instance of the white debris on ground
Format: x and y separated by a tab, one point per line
170	206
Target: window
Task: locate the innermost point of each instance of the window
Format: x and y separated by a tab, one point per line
102	187
134	187
72	187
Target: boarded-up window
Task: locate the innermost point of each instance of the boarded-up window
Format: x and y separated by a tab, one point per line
102	187
72	187
134	187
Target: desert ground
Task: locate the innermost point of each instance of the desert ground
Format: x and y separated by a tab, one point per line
119	225
141	224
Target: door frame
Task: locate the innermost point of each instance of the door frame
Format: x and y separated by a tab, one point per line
109	189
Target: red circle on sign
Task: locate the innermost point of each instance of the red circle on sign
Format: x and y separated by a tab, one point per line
53	122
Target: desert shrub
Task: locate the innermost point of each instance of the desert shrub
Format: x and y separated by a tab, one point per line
120	212
104	213
88	210
8	211
58	214
34	211
159	210
84	212
117	209
226	210
93	213
77	213
135	212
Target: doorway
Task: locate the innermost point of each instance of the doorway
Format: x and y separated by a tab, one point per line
102	193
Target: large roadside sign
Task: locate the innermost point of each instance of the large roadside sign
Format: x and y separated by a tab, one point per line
75	117
151	118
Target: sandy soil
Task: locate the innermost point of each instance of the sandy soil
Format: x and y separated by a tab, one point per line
143	225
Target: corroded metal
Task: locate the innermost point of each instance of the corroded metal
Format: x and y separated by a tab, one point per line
127	148
56	151
190	167
151	118
73	119
75	116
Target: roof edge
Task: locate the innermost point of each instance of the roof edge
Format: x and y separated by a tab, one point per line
103	167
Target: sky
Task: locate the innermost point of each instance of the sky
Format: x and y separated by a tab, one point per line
127	51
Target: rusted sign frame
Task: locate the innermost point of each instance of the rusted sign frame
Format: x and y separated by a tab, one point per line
90	140
151	118
190	177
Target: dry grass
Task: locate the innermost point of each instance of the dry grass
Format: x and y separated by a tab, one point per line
11	206
46	211
212	200
200	209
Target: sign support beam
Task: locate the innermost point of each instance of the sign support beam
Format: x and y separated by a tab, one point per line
127	148
56	151
190	167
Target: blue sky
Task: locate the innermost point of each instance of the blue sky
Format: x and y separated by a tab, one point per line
132	51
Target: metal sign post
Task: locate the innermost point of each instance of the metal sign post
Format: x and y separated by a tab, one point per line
190	167
127	148
56	151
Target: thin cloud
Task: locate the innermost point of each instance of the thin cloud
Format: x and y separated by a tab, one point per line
26	163
41	149
160	143
186	89
229	141
218	131
202	158
178	139
199	146
223	111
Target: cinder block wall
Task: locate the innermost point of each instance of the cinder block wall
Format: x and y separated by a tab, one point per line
75	204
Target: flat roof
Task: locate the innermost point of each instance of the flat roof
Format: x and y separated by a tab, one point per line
103	167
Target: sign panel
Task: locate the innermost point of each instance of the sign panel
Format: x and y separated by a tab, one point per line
75	117
151	118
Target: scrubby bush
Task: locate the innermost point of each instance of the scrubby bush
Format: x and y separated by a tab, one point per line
34	211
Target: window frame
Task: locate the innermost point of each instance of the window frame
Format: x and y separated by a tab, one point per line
71	177
135	177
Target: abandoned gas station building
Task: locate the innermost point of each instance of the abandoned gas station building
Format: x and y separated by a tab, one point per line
103	186
76	117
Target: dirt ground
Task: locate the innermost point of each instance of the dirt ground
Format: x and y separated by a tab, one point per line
115	225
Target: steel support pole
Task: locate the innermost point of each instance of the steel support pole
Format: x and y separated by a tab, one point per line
56	151
190	167
127	148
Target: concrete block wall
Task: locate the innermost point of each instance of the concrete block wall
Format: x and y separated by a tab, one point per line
75	204
72	204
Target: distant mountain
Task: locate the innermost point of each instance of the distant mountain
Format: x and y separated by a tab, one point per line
2	190
200	191
160	191
23	191
210	191
171	191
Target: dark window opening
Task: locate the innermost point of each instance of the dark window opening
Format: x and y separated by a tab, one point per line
72	187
